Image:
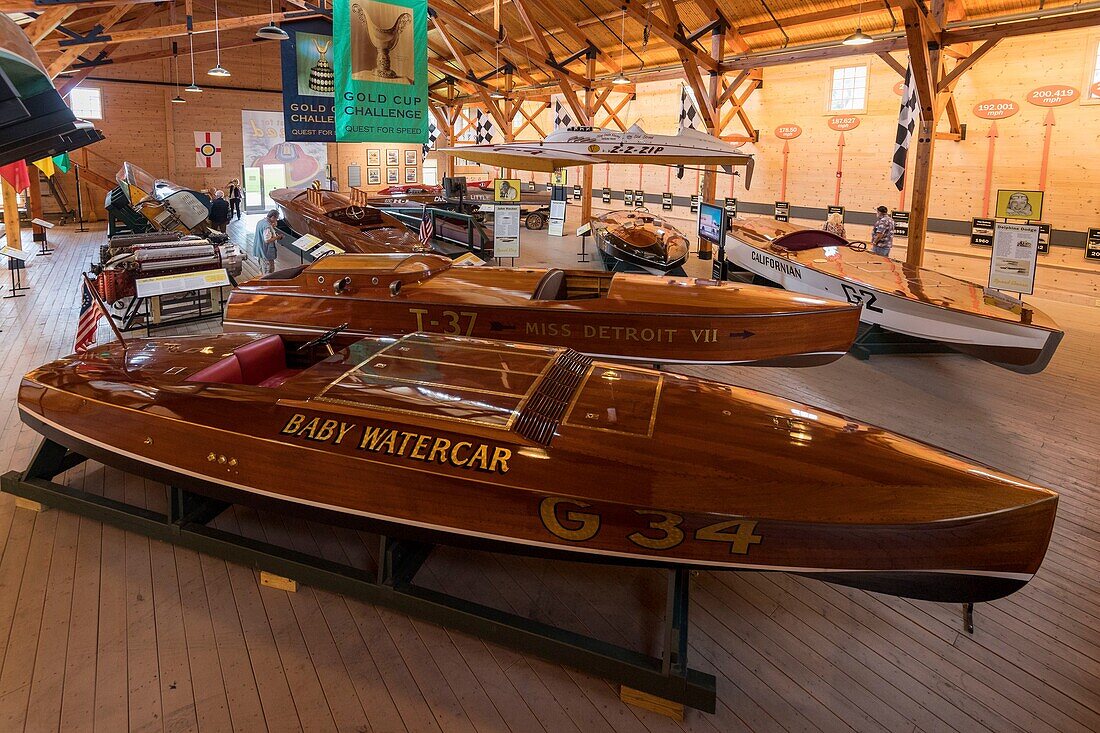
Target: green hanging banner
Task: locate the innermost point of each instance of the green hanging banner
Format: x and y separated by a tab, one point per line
381	66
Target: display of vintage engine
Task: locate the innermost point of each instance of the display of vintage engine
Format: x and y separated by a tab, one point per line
125	259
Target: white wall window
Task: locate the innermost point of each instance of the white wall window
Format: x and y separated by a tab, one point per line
848	90
1092	91
86	103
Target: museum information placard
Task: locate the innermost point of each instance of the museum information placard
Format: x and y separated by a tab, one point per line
381	69
1012	265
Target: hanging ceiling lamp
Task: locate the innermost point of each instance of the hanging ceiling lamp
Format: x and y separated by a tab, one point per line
272	32
218	70
497	93
193	88
859	38
620	78
176	77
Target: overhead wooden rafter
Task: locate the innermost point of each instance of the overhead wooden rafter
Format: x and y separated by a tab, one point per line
582	114
68	55
45	23
460	57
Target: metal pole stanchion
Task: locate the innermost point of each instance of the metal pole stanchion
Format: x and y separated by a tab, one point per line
79	204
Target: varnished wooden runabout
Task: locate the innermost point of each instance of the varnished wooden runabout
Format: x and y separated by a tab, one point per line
975	320
632	317
337	219
540	449
642	239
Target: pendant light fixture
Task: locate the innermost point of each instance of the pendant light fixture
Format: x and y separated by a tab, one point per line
193	88
859	38
176	76
218	70
272	32
620	78
496	93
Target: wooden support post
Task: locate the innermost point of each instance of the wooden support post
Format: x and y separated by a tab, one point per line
652	703
586	171
29	504
35	192
12	235
271	580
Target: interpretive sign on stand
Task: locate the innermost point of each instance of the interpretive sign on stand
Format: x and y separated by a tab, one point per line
576	193
628	197
901	223
306	243
557	219
1012	264
1092	244
695	203
506	230
17	262
666	201
981	232
325	250
731	212
639	198
181	282
835	210
605	196
782	210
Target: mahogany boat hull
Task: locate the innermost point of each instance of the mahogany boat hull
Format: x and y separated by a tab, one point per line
656	321
616	496
303	218
657	248
895	296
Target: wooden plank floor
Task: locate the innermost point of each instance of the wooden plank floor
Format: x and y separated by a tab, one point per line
108	631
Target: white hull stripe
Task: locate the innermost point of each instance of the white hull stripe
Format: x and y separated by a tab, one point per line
502	538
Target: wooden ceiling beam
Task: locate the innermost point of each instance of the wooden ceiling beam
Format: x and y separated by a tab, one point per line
671	32
164	31
733	35
69	55
45	23
1023	27
579	110
948	82
136	58
29	6
493	109
461	32
551	8
798	56
932	25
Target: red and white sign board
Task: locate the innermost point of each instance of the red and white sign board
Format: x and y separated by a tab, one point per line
208	150
1053	95
996	109
843	123
788	132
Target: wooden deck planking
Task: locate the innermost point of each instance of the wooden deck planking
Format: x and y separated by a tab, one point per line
103	629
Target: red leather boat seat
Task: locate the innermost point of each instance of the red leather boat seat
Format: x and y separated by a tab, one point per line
225	371
549	287
809	239
262	363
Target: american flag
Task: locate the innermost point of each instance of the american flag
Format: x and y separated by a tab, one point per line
907	121
427	228
90	313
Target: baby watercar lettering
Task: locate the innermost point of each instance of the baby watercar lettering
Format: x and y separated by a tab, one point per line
393	442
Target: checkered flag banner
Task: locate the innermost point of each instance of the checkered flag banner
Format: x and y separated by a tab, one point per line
433	135
689	112
562	117
484	128
907	121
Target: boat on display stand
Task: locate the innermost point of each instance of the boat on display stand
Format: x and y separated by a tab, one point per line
640	239
621	316
914	301
542	450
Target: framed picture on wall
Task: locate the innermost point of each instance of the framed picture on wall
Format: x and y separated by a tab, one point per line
410	157
410	175
393	175
374	156
393	156
374	176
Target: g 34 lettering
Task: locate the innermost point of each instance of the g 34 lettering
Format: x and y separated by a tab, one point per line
563	520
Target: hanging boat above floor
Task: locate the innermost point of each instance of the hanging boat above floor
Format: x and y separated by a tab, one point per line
350	224
539	449
621	316
641	239
975	320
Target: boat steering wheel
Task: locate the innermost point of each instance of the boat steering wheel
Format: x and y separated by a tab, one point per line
355	213
857	245
325	339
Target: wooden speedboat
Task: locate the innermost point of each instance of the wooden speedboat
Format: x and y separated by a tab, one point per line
621	316
540	449
968	317
642	239
351	224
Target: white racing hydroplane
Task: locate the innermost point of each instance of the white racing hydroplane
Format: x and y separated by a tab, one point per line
576	146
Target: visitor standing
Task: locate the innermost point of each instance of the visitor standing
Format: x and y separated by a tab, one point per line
882	236
235	197
835	225
219	211
266	243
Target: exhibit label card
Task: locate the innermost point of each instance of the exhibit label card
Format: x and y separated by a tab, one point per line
1012	266
381	67
506	230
